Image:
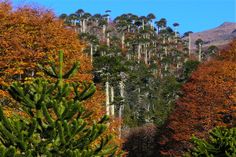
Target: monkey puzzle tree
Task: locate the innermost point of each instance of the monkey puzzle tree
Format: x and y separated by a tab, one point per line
162	23
151	17
175	26
55	121
63	16
198	44
211	51
221	143
188	68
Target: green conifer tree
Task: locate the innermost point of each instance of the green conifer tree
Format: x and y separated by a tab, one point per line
55	122
221	143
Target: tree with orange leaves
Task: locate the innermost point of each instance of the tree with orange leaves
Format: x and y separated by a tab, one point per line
33	36
208	101
29	36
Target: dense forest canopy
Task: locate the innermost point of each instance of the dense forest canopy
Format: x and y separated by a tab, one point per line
155	89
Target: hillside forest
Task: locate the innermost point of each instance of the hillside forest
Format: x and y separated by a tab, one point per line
84	85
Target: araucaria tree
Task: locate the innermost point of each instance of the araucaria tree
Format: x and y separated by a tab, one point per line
55	121
221	143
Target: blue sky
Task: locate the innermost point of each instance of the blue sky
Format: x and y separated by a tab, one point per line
192	15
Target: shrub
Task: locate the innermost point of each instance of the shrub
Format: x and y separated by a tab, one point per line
140	141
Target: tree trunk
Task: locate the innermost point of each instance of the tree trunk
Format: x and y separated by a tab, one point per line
121	107
91	53
166	67
166	52
139	53
107	98
146	58
32	73
85	26
81	26
123	41
112	107
143	24
108	17
200	53
164	40
146	55
108	39
128	56
189	44
104	31
149	57
122	96
176	35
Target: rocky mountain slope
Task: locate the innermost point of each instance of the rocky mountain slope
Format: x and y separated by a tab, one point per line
218	36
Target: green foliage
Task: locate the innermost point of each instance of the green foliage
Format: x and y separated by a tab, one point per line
170	87
147	98
189	67
198	42
221	143
142	58
167	92
54	122
110	66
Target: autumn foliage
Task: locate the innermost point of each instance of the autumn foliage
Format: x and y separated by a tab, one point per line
208	101
29	37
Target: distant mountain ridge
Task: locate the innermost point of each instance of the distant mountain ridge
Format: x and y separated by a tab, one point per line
219	36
